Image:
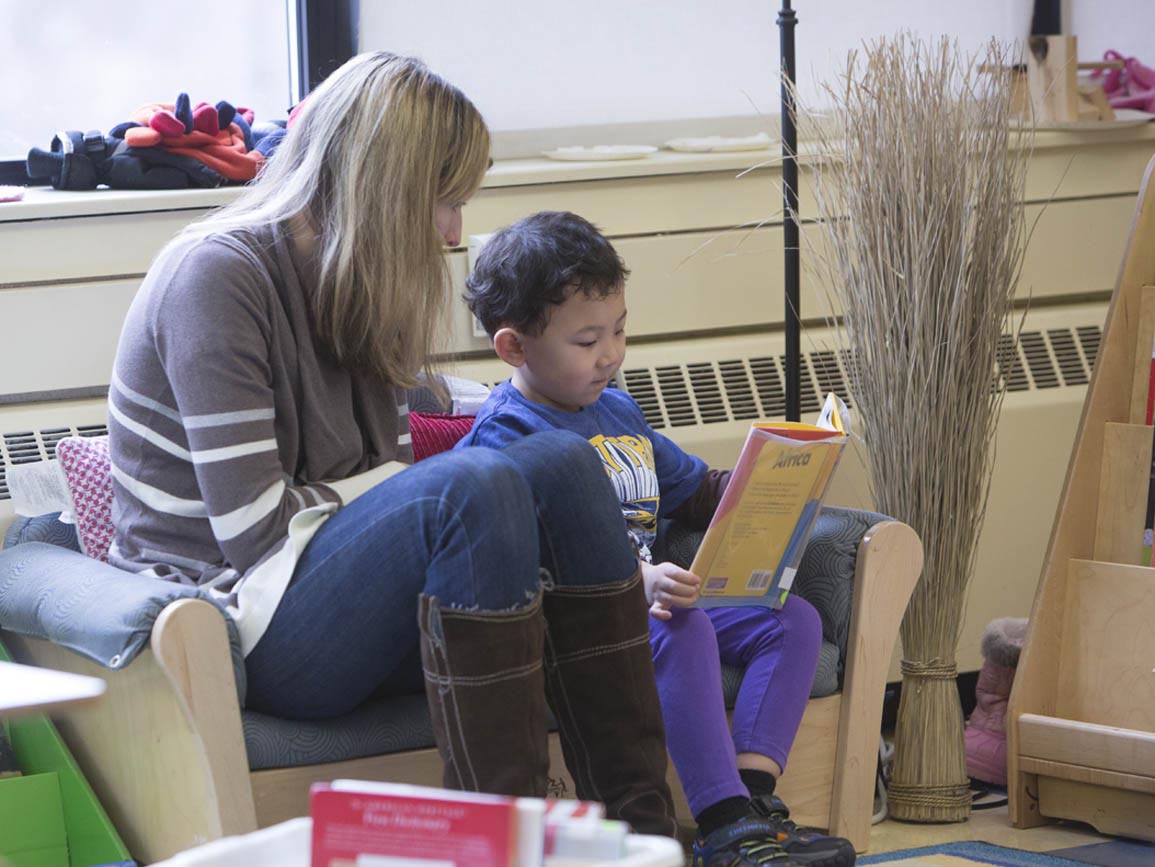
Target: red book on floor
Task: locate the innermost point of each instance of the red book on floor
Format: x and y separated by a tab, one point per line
352	818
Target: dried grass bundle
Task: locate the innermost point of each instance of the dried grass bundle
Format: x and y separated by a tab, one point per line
919	183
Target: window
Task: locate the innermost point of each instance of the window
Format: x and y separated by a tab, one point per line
89	67
77	66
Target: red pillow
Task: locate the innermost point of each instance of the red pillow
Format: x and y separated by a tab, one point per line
88	473
436	433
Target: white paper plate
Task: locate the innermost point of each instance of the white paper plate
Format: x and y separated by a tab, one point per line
1125	118
601	152
719	144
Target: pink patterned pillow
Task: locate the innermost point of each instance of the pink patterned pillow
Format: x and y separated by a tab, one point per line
88	472
436	432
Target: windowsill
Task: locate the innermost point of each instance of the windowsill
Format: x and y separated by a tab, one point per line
46	203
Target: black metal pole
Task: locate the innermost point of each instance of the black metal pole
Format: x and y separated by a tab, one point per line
786	23
1047	18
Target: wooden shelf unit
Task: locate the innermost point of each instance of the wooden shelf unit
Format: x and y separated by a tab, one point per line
1081	722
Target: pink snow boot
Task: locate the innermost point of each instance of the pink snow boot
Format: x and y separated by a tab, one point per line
986	733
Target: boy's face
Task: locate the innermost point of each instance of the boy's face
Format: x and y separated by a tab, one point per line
569	364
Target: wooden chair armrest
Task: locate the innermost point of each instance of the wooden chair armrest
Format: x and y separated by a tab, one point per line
887	568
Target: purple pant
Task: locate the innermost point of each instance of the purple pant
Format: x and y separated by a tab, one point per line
778	649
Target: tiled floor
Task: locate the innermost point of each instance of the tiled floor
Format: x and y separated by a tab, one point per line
989	826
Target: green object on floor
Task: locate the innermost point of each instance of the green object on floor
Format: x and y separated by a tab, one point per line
39	750
32	832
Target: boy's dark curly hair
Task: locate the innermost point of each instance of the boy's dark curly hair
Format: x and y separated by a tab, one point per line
536	263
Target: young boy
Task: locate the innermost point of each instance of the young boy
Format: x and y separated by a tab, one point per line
550	292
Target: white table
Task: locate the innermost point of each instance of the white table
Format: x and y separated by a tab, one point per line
287	845
26	689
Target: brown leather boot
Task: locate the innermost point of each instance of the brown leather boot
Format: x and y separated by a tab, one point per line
600	685
486	692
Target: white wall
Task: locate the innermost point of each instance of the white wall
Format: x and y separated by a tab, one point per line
1127	26
532	64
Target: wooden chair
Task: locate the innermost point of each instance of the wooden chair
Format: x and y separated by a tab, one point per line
165	750
1081	721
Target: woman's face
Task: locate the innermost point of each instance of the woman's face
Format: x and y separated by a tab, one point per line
447	217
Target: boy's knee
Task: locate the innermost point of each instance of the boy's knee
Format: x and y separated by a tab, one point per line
801	618
689	629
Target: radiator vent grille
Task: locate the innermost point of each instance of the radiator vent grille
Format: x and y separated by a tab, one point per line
745	388
26	447
736	389
1071	364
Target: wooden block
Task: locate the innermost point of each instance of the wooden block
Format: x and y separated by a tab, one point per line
1123	488
1141	384
1093	101
1101	64
1052	75
1107	660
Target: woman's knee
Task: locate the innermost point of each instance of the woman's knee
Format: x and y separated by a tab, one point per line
486	481
484	494
551	456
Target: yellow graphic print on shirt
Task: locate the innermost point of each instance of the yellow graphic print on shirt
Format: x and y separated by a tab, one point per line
629	462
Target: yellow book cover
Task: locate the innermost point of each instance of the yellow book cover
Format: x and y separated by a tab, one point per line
759	531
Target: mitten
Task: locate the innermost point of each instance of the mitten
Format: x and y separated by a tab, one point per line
132	168
74	161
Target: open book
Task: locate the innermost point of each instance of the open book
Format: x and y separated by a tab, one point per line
755	541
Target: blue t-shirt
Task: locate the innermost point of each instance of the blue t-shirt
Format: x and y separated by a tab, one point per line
651	475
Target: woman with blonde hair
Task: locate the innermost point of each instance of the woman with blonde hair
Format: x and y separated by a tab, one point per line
260	447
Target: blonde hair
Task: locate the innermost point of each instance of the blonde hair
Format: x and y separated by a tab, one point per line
370	154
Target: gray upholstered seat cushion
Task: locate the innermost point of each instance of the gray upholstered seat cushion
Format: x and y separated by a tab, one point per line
380	726
399	723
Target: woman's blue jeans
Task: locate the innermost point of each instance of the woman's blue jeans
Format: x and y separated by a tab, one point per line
473	527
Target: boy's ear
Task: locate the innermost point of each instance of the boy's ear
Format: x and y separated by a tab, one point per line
509	347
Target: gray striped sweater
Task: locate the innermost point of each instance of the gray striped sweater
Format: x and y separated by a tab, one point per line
233	435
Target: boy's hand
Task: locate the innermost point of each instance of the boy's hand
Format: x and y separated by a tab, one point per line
668	585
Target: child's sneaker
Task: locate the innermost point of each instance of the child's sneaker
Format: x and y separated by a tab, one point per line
748	842
803	845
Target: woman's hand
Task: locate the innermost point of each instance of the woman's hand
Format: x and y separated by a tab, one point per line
668	585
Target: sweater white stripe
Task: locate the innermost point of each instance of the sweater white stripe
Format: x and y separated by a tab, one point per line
220	419
192	422
227	453
175	559
159	500
232	524
203	456
148	434
141	400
